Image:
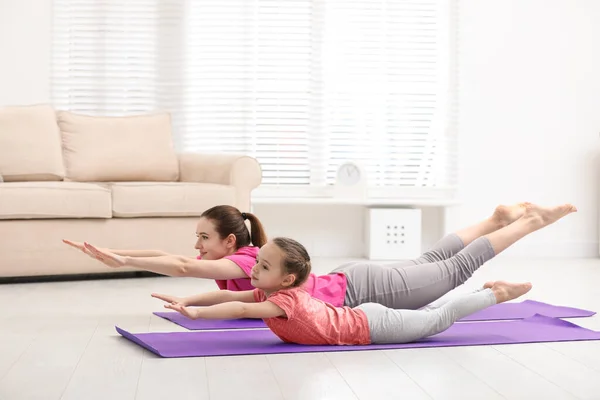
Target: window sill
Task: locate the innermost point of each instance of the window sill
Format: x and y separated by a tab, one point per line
402	197
368	202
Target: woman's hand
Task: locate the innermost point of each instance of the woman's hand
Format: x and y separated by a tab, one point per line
78	246
192	313
110	259
170	299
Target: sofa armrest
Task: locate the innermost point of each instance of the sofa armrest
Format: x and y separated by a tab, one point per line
242	172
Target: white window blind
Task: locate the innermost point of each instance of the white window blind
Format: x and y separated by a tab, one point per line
301	85
115	58
386	69
247	83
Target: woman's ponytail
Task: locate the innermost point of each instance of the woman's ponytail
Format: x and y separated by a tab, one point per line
257	232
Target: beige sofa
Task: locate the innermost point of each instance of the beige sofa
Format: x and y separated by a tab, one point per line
111	181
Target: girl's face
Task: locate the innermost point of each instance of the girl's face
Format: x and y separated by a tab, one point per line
268	273
209	244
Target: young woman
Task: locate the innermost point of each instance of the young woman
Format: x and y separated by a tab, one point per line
283	265
411	284
227	250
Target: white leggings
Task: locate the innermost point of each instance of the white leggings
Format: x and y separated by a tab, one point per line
387	325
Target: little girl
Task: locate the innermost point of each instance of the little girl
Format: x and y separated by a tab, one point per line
296	317
409	284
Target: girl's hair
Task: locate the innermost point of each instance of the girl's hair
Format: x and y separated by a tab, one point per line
296	260
229	220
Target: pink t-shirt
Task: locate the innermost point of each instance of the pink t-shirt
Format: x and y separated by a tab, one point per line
312	321
330	288
245	258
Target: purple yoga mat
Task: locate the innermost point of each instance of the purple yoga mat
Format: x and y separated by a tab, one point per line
526	309
502	311
534	329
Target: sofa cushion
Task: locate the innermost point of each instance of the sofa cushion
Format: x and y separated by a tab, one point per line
32	200
30	144
168	199
135	148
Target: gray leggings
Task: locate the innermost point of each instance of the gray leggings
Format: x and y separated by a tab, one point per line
413	284
402	326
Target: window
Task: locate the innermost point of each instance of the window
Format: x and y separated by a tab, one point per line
248	83
115	58
300	85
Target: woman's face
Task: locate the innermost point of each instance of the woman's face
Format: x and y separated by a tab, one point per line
209	244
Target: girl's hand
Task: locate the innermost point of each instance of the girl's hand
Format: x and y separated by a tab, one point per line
191	313
110	259
169	299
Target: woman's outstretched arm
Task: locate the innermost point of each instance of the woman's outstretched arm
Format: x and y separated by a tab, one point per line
120	252
171	265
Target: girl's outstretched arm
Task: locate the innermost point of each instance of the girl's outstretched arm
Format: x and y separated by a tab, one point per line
208	299
172	265
231	310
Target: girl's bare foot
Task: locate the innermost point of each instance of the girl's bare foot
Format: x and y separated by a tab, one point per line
506	291
506	215
544	216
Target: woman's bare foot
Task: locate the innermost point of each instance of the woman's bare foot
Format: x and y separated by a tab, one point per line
506	215
506	291
535	218
544	216
510	223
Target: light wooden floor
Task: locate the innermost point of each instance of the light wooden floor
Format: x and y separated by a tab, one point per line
57	341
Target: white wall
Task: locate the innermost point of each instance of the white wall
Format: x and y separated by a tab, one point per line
530	115
25	45
529	120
